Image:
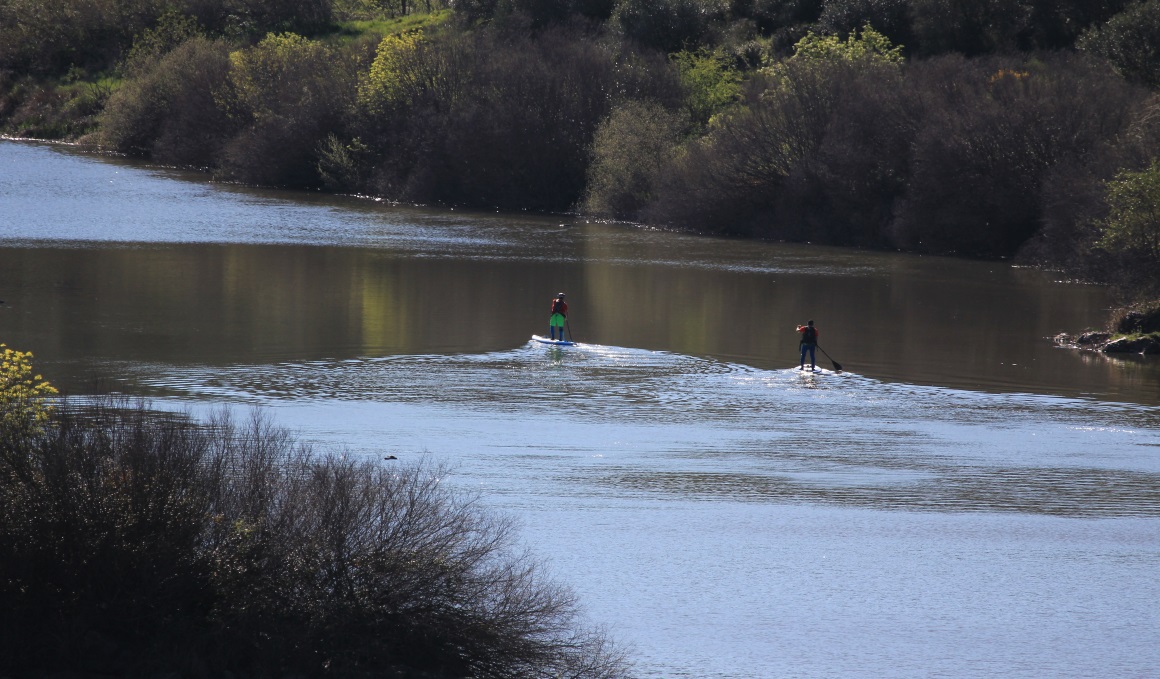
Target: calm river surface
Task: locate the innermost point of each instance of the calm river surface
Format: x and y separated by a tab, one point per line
965	501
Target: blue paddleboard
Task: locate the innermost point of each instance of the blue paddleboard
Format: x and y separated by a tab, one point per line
545	340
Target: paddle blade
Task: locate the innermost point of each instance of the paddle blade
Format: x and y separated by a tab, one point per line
837	366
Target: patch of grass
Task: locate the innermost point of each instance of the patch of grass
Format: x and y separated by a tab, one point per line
62	110
1154	336
349	31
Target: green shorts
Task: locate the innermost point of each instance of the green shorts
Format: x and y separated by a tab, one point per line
557	321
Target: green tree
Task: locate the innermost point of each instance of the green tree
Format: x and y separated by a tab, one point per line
864	44
1133	222
289	94
1129	42
395	76
710	81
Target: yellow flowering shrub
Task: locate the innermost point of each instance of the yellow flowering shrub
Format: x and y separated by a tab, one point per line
24	395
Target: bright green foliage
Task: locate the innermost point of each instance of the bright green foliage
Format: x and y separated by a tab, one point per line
279	64
24	395
1133	222
864	44
357	28
710	81
392	75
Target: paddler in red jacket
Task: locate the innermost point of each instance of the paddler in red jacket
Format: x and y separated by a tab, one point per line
809	343
559	316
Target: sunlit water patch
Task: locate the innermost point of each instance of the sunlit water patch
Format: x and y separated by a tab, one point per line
666	424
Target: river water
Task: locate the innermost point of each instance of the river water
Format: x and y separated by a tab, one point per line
964	500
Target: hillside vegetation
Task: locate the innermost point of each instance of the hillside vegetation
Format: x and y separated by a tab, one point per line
995	128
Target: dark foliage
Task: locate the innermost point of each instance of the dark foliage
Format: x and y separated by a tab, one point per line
1129	41
891	18
947	155
668	25
509	121
134	543
171	111
987	145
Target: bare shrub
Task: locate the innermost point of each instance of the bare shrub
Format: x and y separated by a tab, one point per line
133	542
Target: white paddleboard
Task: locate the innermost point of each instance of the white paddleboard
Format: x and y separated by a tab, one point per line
559	343
814	371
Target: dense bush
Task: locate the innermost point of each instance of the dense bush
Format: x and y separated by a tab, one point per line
51	37
171	110
892	18
288	94
496	119
1129	42
944	155
134	543
630	149
669	25
823	135
987	144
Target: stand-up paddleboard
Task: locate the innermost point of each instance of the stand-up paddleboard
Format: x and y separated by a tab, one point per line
559	343
812	371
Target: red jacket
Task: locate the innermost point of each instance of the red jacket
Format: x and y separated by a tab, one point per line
563	308
802	329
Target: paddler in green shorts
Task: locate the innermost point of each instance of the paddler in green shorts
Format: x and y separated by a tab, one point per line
559	316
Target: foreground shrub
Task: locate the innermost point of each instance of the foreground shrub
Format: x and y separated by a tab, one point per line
133	543
24	405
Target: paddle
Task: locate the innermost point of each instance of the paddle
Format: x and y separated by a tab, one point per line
837	366
567	325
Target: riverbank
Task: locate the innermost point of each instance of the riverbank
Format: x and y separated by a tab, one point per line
1133	329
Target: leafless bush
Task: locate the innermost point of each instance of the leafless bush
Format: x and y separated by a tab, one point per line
135	542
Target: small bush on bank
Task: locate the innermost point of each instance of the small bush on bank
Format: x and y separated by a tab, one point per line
135	543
